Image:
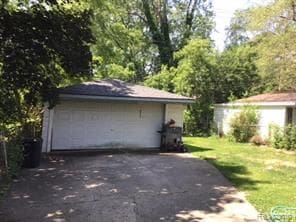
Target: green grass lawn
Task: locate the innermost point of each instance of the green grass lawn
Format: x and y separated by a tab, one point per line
266	175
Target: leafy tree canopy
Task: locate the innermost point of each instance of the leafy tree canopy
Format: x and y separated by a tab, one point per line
238	72
274	26
236	33
140	36
43	45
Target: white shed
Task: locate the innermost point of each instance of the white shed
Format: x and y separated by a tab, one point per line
274	108
109	114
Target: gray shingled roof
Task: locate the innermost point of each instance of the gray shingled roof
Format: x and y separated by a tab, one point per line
117	88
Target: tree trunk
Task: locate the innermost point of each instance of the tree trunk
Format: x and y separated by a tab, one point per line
191	8
160	35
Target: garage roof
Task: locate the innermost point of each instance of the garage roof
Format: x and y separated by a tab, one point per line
120	90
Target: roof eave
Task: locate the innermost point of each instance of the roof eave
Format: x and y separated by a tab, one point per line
123	98
282	103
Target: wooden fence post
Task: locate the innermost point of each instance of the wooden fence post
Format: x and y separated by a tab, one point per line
4	150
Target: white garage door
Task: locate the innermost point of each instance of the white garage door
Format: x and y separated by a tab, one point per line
87	125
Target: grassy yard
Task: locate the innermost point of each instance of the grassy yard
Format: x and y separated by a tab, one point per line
266	175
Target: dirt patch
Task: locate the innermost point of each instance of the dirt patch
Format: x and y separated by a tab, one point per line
276	162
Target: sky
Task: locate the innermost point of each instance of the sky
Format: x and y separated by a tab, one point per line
224	10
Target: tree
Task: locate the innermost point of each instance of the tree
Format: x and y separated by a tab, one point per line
142	35
197	77
236	33
238	71
274	27
121	47
44	44
163	80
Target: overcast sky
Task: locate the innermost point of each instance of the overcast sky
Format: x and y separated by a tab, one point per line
224	10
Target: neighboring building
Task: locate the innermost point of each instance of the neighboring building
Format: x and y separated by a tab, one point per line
273	108
109	114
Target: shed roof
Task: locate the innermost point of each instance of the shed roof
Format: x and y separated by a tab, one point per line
123	90
266	99
271	97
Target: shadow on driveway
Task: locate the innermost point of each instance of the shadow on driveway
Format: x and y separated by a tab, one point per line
124	187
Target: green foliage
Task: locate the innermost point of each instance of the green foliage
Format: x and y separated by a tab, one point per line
244	124
10	134
197	77
115	71
162	80
274	27
283	138
120	39
238	72
15	158
42	44
166	45
237	30
208	76
266	175
143	35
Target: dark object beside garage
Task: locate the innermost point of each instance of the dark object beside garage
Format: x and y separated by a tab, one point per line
32	152
171	139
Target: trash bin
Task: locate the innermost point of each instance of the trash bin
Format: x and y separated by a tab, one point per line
32	152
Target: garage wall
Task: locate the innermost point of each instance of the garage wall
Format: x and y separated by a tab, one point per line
268	115
271	115
222	117
83	124
175	112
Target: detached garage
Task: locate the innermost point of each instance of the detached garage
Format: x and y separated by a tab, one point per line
109	114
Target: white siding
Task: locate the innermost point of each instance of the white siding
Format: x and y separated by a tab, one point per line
175	112
271	115
222	117
268	115
82	124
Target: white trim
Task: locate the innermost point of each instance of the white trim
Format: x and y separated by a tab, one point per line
49	130
287	103
142	99
45	123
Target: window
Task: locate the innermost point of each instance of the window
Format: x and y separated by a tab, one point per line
289	115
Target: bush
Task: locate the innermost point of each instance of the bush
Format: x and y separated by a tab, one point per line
283	138
244	124
13	151
15	158
195	121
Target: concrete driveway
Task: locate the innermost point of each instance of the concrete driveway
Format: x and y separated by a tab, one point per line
124	187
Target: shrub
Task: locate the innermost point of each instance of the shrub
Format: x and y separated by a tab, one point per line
243	126
194	125
15	158
13	152
283	138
